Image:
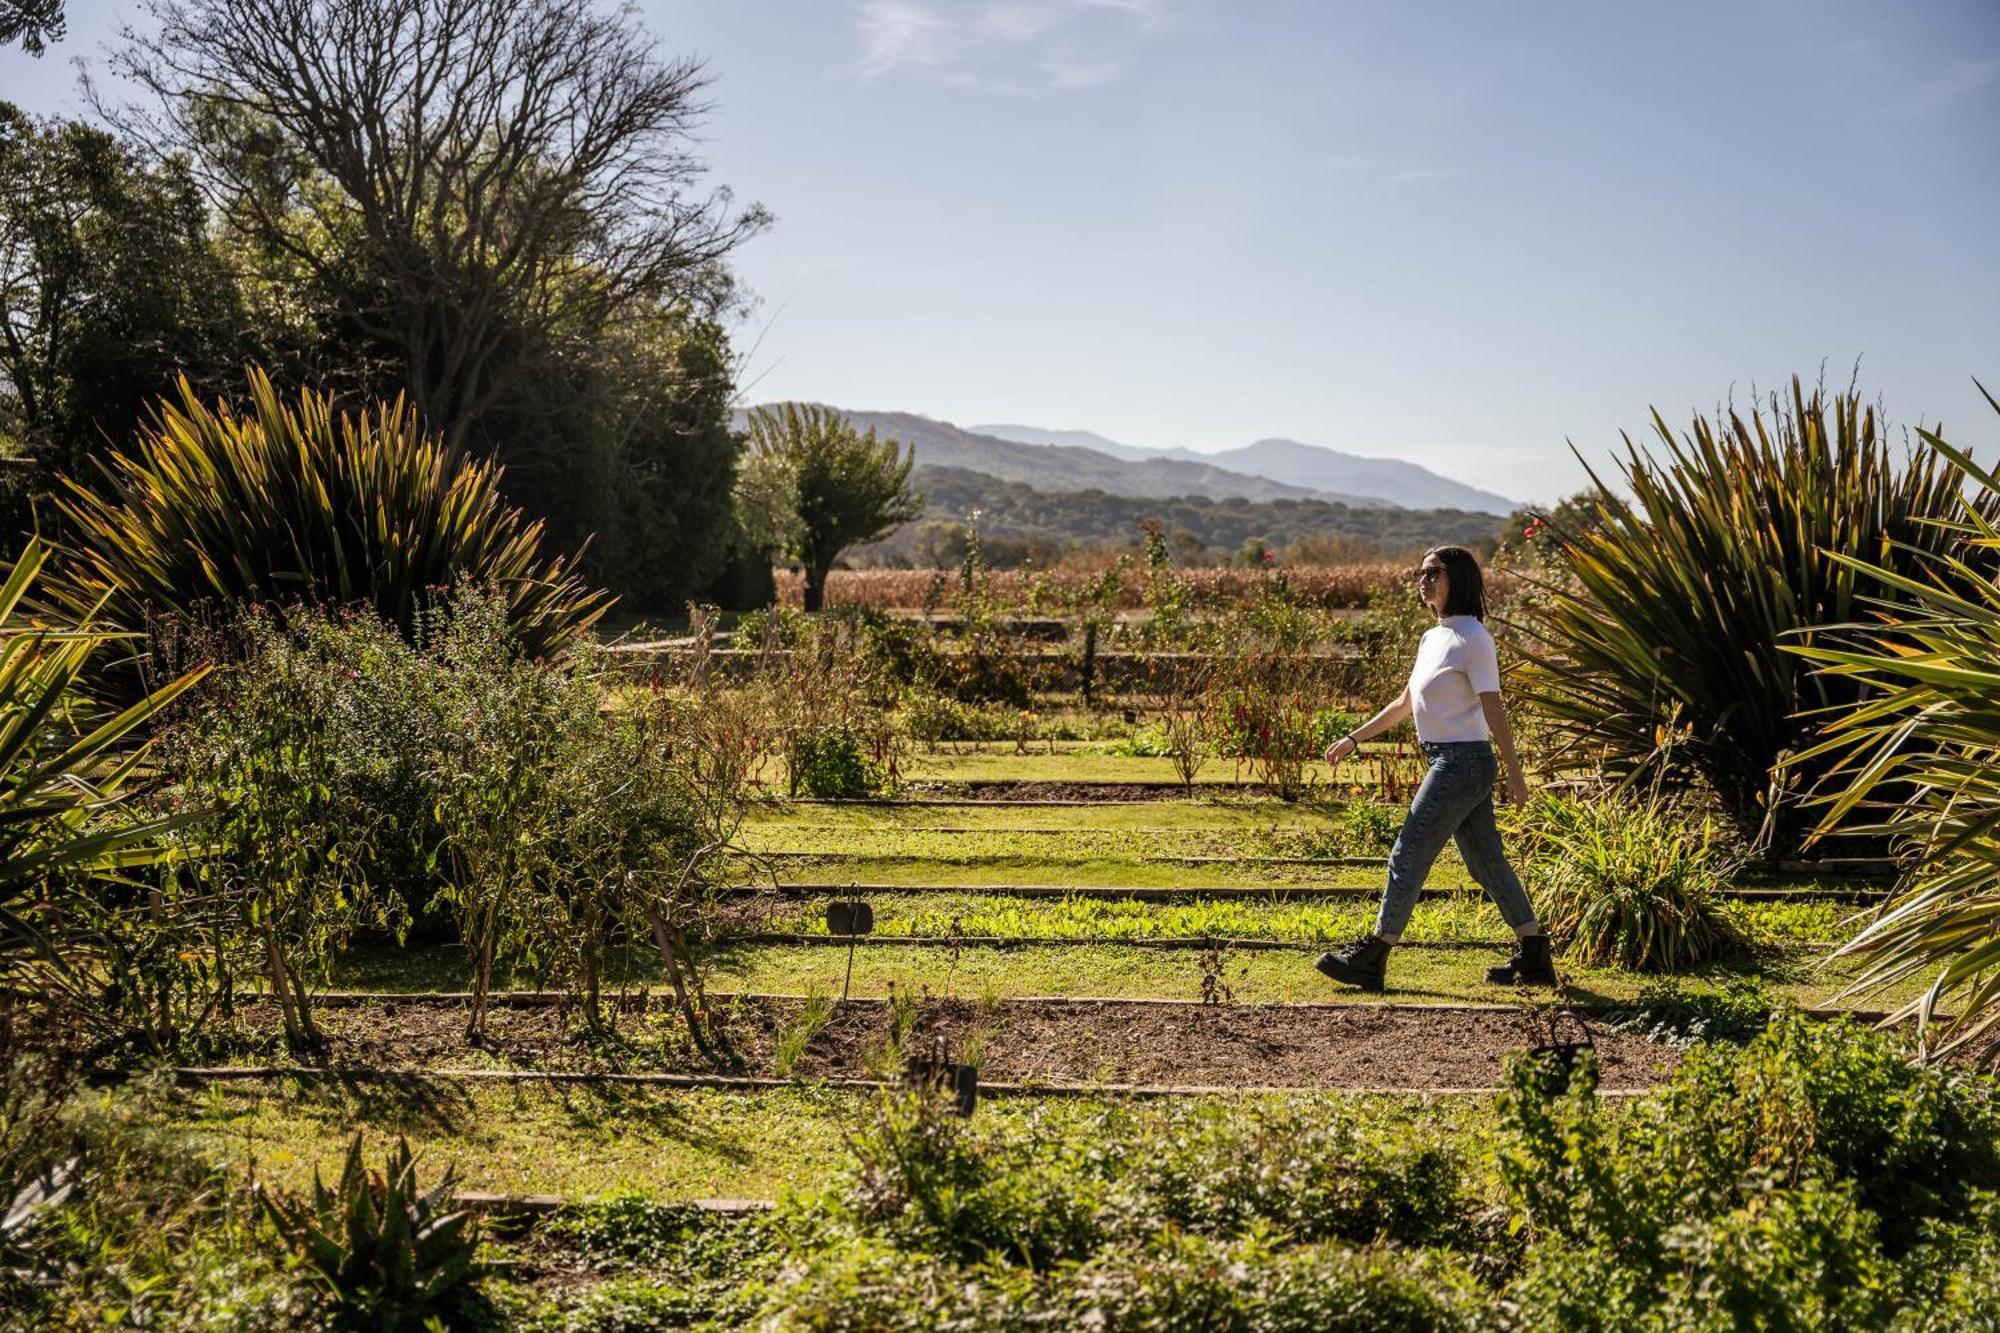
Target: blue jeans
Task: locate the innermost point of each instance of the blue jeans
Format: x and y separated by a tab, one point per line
1455	801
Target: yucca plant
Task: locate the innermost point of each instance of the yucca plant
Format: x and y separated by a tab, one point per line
65	765
1930	668
388	1254
302	504
1629	883
1677	606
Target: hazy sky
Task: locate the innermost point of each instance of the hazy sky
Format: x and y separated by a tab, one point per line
1457	233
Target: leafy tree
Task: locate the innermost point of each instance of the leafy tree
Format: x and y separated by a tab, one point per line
109	285
648	460
32	23
492	206
480	187
846	487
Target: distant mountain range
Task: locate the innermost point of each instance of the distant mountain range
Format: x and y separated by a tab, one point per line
1071	468
1076	460
1314	467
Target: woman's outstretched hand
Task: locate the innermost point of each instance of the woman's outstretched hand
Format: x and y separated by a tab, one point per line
1333	755
1517	790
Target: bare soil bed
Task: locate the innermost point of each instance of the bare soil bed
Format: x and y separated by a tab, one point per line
1249	1046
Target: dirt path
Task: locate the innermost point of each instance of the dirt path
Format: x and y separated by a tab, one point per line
1291	1046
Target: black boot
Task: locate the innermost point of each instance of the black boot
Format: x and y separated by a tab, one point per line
1362	963
1530	965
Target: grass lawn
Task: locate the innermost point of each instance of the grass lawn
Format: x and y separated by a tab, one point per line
582	1143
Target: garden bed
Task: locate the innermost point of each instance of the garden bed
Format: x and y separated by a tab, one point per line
1032	1042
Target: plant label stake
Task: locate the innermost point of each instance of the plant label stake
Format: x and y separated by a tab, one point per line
938	1072
852	917
1566	1052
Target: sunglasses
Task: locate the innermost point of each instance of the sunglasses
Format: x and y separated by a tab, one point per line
1426	573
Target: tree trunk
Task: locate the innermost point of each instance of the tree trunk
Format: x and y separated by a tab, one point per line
665	938
281	989
816	584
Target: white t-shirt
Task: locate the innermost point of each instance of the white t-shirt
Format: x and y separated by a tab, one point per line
1456	663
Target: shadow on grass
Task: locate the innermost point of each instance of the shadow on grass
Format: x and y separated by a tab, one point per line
616	1109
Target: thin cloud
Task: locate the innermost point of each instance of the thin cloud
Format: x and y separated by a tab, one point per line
1413	174
1070	76
1376	169
1013	46
899	33
1961	79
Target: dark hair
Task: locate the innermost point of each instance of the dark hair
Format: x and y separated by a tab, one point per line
1468	586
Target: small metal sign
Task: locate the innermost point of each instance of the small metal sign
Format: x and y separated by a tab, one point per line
849	916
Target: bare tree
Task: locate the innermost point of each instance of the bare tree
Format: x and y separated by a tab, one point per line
475	185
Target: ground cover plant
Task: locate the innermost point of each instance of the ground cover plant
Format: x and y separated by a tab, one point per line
1461	918
1745	1191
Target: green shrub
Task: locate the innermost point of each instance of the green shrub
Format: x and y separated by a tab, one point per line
1629	884
929	1180
1311	1172
834	764
389	1255
1677	607
264	758
1147	742
1798	1181
930	716
1369	828
348	775
311	506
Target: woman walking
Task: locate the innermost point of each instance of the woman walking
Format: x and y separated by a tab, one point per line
1454	694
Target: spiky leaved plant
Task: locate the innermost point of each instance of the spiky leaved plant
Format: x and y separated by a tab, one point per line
1677	605
1930	723
300	503
1631	884
388	1254
65	764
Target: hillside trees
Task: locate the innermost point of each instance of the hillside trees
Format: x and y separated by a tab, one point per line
493	206
845	487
